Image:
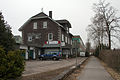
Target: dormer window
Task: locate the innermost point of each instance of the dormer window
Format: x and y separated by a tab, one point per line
45	24
35	25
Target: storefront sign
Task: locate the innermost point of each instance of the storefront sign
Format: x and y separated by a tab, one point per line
52	42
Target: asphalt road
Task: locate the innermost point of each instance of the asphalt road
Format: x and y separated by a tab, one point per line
36	66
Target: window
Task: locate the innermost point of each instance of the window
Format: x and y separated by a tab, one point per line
71	42
62	37
67	29
45	24
38	36
29	38
35	25
50	37
17	39
66	39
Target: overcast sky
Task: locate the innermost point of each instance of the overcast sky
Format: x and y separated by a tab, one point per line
78	12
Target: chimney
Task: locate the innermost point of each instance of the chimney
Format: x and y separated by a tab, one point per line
50	14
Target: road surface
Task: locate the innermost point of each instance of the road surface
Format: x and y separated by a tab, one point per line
36	66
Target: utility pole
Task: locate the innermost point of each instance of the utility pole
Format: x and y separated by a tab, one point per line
76	51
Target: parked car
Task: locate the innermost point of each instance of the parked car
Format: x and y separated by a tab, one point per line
51	55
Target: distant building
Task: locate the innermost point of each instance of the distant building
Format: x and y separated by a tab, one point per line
18	41
42	34
78	43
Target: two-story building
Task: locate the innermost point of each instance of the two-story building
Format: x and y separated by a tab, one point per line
42	34
78	44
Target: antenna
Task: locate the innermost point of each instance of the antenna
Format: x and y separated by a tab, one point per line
42	9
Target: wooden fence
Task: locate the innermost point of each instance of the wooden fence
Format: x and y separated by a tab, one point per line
111	58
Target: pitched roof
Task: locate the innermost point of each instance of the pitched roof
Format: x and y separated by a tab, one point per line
39	16
71	34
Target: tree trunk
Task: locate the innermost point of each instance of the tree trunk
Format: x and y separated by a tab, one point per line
109	37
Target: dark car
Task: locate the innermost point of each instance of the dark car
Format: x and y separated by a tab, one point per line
51	55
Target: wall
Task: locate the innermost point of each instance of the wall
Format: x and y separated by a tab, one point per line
51	28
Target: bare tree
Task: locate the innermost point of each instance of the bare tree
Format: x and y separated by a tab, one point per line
105	22
96	30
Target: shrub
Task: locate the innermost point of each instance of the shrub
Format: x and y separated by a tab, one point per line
11	64
3	64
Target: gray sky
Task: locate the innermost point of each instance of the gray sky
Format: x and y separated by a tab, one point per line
78	12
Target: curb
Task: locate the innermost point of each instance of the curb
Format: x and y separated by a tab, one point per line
66	73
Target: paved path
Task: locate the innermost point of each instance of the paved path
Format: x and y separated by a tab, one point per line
94	71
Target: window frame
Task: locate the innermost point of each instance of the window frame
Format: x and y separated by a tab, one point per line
66	39
49	37
71	41
30	37
45	24
62	37
35	25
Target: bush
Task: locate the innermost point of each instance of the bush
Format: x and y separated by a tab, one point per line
11	64
3	64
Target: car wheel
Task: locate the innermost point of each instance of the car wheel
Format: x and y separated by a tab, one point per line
41	58
54	58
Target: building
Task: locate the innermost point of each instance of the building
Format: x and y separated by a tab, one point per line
18	41
42	34
78	44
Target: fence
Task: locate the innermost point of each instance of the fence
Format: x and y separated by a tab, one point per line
111	58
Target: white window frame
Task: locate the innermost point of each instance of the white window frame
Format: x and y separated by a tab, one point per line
67	30
71	41
62	37
49	37
45	24
30	38
35	25
66	39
